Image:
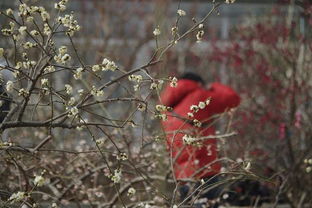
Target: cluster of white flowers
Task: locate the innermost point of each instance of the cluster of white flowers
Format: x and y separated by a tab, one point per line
100	141
162	117
189	140
97	93
49	69
16	197
174	30
61	5
29	45
308	162
199	35
197	123
156	85
190	115
44	82
201	105
68	89
230	1
26	11
181	12
108	65
70	23
22	30
156	31
135	78
122	156
62	56
71	101
9	86
131	191
23	92
116	177
8	31
162	108
9	12
34	33
46	29
173	81
73	111
96	68
78	73
29	64
194	108
39	180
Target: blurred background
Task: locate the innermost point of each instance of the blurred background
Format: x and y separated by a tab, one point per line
260	48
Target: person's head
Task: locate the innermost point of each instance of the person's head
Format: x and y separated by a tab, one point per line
194	77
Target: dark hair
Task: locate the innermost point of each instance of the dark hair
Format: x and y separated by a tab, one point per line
192	76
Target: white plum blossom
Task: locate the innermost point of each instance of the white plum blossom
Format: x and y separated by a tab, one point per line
9	12
174	82
116	177
65	58
62	50
131	191
22	30
78	73
201	105
135	78
161	108
70	23
71	101
97	92
156	31
34	33
46	29
181	12
187	139
229	1
100	141
9	86
44	82
96	68
194	108
45	15
108	65
199	35
23	92
61	5
68	89
19	196
122	156
49	69
153	86
73	111
201	26
207	101
39	181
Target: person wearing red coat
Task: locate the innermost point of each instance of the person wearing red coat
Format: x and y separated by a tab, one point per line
194	160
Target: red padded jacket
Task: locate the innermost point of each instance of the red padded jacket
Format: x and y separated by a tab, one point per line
191	161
